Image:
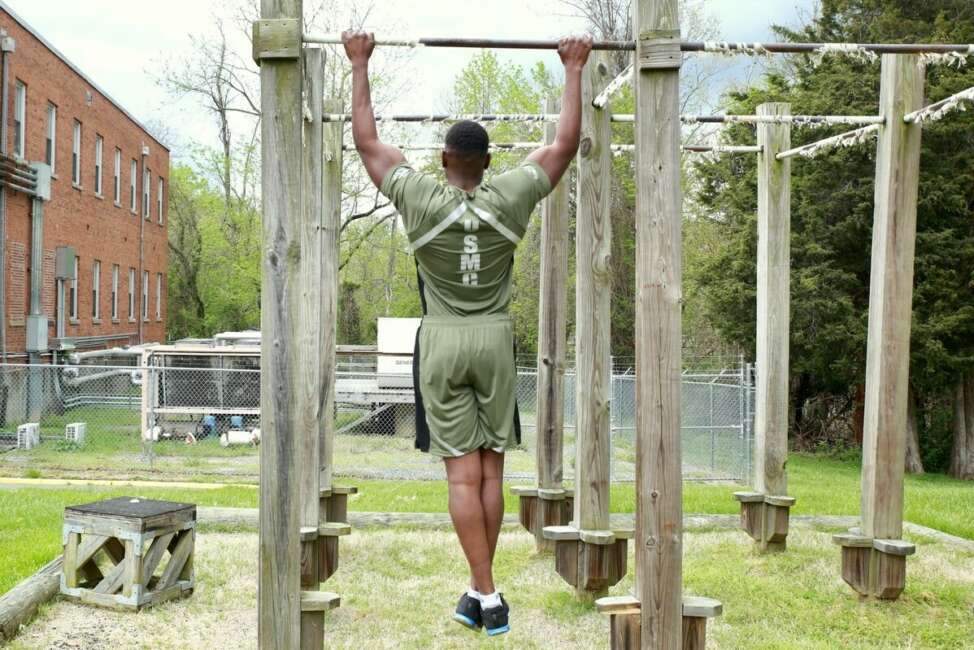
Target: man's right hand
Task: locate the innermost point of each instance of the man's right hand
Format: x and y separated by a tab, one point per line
574	50
358	46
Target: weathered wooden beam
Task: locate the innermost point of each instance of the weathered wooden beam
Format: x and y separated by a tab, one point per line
552	326
19	604
890	306
593	250
330	222
282	358
768	523
659	278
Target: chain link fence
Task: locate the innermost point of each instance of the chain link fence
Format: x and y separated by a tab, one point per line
198	418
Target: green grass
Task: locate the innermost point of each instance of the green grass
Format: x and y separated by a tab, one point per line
30	518
785	601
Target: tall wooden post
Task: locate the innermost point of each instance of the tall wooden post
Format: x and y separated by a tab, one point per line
765	512
659	508
333	500
588	554
277	48
874	560
548	503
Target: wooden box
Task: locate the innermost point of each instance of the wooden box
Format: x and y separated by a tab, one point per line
128	553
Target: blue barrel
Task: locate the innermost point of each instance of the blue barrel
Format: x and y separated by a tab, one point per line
236	422
209	425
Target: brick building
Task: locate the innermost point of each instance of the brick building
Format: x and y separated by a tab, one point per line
104	252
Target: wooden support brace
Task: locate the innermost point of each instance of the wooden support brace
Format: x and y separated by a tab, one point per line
590	561
765	518
659	50
314	604
543	508
624	625
276	39
874	567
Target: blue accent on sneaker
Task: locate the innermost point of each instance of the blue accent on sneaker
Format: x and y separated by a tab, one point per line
500	630
465	621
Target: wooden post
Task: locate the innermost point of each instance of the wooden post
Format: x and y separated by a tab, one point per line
333	500
593	249
550	508
277	48
888	345
588	554
307	398
330	220
767	522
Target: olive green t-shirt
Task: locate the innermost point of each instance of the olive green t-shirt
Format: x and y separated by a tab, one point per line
464	241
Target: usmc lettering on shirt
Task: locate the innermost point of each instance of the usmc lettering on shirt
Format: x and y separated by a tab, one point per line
470	258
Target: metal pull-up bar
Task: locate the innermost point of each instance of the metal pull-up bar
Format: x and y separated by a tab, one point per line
686	46
797	120
616	148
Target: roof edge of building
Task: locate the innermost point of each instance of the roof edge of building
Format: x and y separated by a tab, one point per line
24	24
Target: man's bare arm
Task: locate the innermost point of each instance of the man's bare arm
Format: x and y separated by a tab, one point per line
379	158
555	158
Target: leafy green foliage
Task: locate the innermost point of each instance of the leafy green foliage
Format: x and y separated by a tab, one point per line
832	209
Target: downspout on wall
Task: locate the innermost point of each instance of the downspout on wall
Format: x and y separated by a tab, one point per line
7	47
147	200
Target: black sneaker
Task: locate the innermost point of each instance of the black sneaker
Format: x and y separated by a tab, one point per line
495	618
468	613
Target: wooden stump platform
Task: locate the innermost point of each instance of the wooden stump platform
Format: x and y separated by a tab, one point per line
539	508
333	513
589	560
765	518
115	552
625	626
874	567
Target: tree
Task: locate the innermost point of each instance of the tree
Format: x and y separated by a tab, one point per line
832	209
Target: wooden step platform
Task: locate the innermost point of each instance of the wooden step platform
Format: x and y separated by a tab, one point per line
874	567
539	508
765	518
625	625
589	560
128	553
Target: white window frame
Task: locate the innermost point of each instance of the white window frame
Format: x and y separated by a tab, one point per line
114	292
158	296
131	294
96	290
145	296
133	174
76	154
160	189
74	291
50	144
146	193
118	176
99	151
20	120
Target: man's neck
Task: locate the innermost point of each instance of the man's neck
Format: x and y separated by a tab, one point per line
464	182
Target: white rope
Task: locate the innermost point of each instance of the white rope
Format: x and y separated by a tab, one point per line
941	109
850	139
333	39
731	49
949	59
614	86
852	50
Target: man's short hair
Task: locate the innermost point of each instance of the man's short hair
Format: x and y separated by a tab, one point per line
468	138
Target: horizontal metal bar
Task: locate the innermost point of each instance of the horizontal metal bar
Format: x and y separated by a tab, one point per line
843	139
526	146
686	46
798	120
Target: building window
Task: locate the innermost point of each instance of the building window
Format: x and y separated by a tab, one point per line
114	292
76	154
20	117
158	296
95	290
132	176
99	148
74	290
50	144
146	182
131	294
145	295
159	191
118	176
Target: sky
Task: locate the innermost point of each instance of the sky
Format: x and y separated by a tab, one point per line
121	45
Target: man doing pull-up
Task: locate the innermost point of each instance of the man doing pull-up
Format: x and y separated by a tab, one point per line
463	235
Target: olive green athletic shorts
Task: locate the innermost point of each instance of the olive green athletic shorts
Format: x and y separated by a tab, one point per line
467	378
